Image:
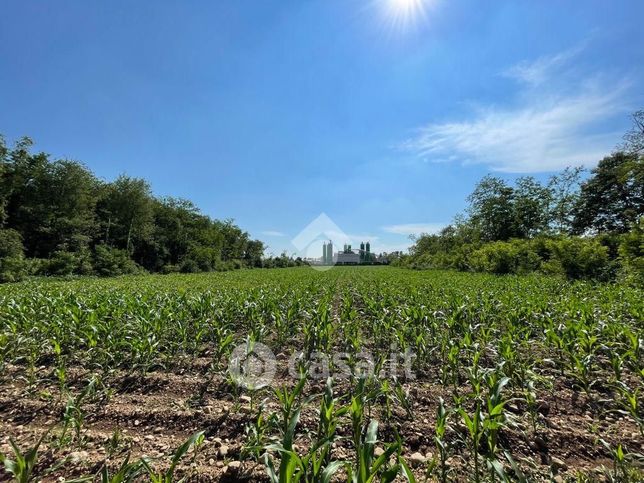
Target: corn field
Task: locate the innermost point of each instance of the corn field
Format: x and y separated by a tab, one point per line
510	378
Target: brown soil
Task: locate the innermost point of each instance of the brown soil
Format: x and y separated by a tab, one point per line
156	412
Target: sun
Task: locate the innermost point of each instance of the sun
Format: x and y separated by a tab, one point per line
405	4
402	14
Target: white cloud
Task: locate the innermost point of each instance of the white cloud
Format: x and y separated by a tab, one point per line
273	233
550	128
414	228
538	71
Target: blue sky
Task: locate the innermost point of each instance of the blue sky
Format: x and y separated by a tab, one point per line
380	114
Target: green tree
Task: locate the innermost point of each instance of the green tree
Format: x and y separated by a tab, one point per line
126	213
254	253
4	185
491	209
531	201
12	263
71	195
612	199
634	139
563	197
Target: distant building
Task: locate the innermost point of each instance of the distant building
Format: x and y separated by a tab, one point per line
348	256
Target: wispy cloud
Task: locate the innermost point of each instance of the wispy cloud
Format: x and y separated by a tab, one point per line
273	233
539	71
551	127
414	228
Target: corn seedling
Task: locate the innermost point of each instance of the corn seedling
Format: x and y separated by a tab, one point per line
167	476
23	464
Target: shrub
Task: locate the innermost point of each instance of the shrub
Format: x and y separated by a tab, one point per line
189	265
68	263
515	256
13	266
110	261
631	255
497	257
578	258
169	268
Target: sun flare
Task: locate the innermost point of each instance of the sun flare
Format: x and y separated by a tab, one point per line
403	14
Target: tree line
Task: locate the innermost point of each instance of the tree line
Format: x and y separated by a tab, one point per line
580	227
58	218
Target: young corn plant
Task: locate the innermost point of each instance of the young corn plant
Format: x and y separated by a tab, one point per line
74	416
224	339
314	466
330	413
401	396
493	420
631	403
258	433
168	476
530	396
290	401
128	472
622	461
367	467
475	433
439	438
23	464
582	371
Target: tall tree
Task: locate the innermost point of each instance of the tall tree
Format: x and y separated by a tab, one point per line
634	139
126	213
491	209
564	197
4	191
531	201
72	193
612	199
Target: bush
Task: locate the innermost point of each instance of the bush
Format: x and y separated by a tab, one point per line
189	265
64	263
515	256
12	269
578	258
498	257
13	266
169	268
110	261
631	255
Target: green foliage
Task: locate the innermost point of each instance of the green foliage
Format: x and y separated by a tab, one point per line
491	340
23	465
75	224
515	256
612	199
527	226
12	263
68	263
110	261
578	258
631	255
167	476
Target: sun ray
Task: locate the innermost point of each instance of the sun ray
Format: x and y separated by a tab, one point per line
402	15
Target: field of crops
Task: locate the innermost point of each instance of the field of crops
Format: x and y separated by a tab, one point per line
432	376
